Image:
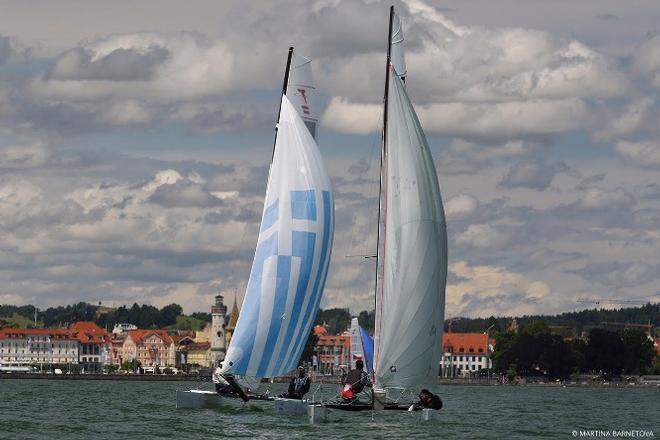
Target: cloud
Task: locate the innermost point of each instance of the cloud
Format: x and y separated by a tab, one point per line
461	206
646	60
641	154
6	50
344	116
491	290
637	117
483	236
121	64
619	274
32	155
598	199
158	67
536	175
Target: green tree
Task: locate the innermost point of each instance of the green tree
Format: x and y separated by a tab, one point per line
638	352
337	320
168	315
309	349
604	352
367	320
131	365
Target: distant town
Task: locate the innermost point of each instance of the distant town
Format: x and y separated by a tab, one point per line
591	345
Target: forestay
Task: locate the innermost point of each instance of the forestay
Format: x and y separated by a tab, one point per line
291	260
410	307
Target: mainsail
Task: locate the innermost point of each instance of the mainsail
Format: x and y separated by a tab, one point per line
412	252
291	259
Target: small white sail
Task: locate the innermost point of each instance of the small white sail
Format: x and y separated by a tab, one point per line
291	260
301	91
397	57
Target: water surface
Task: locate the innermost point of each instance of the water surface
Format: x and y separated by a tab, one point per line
61	409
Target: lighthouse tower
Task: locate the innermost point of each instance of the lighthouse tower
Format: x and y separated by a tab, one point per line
218	315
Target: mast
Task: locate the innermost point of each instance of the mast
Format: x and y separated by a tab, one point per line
382	184
284	87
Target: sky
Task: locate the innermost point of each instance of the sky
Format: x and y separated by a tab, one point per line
135	140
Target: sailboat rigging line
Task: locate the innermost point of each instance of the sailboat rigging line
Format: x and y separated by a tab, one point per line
382	211
284	87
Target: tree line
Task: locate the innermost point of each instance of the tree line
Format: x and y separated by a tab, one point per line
534	350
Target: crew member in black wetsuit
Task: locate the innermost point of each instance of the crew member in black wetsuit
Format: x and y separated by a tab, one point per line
299	385
221	385
355	381
428	400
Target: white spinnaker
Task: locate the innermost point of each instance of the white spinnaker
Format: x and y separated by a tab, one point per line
410	312
291	260
397	57
301	91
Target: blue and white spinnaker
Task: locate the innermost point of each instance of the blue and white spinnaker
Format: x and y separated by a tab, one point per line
291	260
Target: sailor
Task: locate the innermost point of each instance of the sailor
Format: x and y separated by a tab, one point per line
299	385
428	400
221	385
355	381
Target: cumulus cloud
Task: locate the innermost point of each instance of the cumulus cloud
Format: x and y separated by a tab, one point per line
5	49
635	117
598	198
642	154
461	206
619	274
536	175
154	66
646	60
492	290
486	83
483	236
121	64
13	157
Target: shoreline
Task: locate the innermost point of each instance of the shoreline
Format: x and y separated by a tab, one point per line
317	380
133	377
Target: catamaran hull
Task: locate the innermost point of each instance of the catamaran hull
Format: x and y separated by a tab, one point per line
210	399
290	406
204	399
321	413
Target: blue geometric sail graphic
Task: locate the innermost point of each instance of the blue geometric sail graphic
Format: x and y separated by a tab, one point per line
291	260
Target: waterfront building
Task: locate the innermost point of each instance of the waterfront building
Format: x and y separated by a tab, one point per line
37	346
116	348
150	348
463	354
198	353
123	327
94	346
333	351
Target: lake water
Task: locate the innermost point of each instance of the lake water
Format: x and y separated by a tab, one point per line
71	410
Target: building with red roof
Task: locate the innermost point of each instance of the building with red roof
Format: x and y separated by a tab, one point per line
333	352
29	346
464	354
150	347
95	346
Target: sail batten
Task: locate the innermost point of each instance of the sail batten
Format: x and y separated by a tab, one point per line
291	259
